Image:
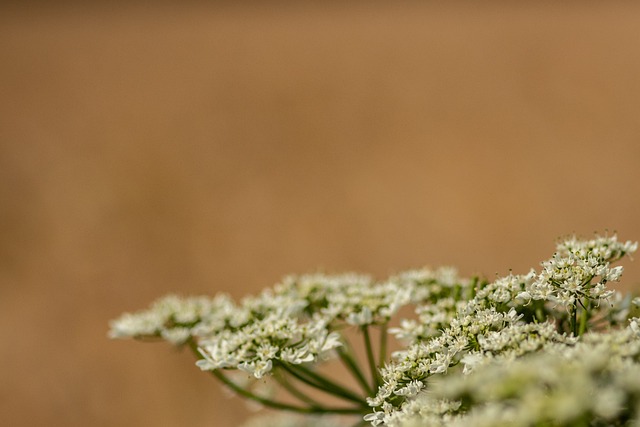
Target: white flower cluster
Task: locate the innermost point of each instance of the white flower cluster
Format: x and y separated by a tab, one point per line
446	330
293	323
512	342
358	300
438	295
503	320
593	382
351	298
423	410
174	318
250	336
471	339
543	348
275	338
433	285
566	279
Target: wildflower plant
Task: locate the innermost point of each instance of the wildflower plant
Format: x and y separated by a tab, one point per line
554	347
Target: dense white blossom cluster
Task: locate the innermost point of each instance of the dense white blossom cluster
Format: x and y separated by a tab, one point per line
292	323
568	276
593	382
174	318
470	340
505	319
250	336
274	338
521	350
350	298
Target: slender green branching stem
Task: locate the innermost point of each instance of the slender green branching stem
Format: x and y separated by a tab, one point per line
375	376
284	382
308	381
382	356
573	321
279	405
540	317
327	382
584	318
311	409
474	286
193	346
349	361
309	377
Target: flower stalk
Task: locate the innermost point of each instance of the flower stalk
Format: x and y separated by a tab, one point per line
350	363
375	376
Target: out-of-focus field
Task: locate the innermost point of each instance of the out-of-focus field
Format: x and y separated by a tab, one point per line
208	148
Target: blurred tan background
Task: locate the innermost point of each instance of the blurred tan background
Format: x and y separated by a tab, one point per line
215	147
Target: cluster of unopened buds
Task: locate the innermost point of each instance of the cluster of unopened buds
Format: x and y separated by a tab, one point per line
555	347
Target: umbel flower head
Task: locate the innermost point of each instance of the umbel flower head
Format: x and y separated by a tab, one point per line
250	336
570	274
175	319
596	379
505	319
295	322
522	350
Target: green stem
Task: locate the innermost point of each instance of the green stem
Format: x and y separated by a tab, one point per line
584	318
294	373
312	409
349	361
382	356
540	317
574	320
318	381
474	284
282	380
375	378
279	405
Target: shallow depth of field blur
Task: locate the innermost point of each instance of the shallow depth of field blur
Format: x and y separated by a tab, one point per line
215	147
